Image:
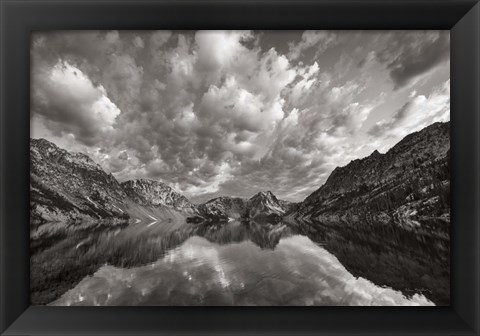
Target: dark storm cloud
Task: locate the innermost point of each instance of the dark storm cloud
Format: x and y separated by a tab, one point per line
410	54
223	112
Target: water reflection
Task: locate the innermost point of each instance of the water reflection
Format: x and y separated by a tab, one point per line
241	263
412	261
296	272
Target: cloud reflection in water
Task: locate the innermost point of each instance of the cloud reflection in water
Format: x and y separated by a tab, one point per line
296	272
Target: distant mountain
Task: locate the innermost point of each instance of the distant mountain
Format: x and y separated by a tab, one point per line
70	186
408	183
154	193
263	205
223	208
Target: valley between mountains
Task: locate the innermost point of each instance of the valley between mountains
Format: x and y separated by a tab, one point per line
409	183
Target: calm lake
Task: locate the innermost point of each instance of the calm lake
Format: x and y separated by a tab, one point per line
240	263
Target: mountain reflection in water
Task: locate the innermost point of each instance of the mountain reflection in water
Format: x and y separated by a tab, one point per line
296	272
235	263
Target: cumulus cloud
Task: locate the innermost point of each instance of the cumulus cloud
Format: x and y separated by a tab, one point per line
306	80
318	39
117	161
217	49
138	42
124	79
239	109
72	104
231	112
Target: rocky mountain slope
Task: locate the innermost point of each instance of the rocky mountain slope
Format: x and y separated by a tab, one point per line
223	208
70	186
265	205
154	193
408	183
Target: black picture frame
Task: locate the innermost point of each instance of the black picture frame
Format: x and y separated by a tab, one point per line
19	18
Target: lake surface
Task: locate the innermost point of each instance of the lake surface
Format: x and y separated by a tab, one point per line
239	263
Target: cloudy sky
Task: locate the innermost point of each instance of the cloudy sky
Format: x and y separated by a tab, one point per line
235	112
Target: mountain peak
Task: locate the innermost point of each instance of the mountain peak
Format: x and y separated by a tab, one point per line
48	150
264	203
266	193
41	141
43	145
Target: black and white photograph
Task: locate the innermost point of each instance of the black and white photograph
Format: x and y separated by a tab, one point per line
240	168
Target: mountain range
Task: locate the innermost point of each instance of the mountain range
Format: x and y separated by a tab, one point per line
409	183
72	188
